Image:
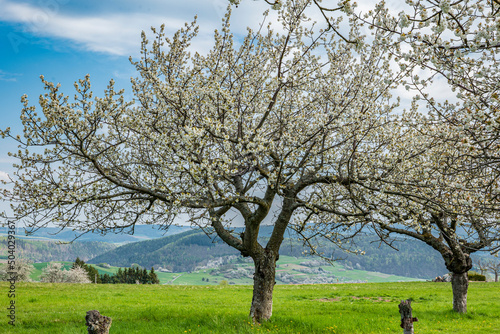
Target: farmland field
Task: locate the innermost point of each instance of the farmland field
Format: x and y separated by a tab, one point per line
332	308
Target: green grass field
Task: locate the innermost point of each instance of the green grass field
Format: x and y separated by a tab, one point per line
336	308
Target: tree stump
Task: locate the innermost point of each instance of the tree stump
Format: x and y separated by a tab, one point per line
406	317
97	323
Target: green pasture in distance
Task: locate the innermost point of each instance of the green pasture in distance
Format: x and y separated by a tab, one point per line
35	275
337	269
333	308
105	270
286	264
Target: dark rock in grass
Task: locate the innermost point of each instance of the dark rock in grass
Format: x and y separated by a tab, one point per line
97	323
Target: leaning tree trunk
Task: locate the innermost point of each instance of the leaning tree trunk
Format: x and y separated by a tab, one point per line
460	285
263	285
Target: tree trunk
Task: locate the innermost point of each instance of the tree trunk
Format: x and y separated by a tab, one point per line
263	285
407	319
460	285
458	263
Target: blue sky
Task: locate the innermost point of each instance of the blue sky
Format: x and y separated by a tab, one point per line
66	39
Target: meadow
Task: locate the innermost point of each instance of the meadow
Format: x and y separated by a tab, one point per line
286	264
332	308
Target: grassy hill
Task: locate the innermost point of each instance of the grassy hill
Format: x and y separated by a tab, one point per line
179	253
35	275
290	270
186	251
334	308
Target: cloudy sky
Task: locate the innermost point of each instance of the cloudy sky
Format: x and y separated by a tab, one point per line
66	39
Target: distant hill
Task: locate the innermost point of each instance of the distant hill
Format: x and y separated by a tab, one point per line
185	251
181	249
45	251
140	233
179	253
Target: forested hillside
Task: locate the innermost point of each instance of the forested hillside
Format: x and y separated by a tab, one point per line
178	253
45	251
412	258
185	251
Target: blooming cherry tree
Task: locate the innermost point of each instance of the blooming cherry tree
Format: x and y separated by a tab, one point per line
271	128
428	197
456	188
438	181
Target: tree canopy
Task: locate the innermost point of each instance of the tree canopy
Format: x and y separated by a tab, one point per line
246	132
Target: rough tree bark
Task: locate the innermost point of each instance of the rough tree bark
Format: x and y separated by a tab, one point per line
456	255
460	285
264	281
264	257
407	319
459	263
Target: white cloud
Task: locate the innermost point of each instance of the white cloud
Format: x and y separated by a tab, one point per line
4	176
6	76
118	33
